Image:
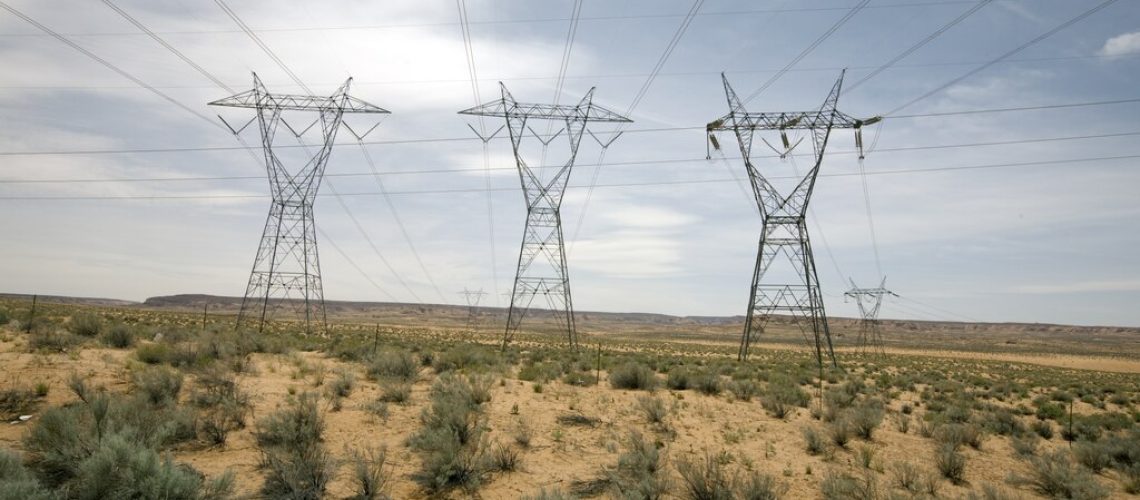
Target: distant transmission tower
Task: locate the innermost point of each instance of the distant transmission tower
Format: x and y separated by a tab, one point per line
542	259
286	270
472	298
784	235
869	300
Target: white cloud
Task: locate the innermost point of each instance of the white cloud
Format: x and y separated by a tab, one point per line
1127	43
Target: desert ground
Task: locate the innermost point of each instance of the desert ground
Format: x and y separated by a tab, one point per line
406	402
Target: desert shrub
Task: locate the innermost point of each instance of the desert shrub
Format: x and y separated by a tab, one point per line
707	383
1095	456
653	408
224	406
839	431
744	390
450	443
866	456
679	379
466	357
52	339
782	396
1050	411
1003	422
950	462
1043	428
579	378
907	476
959	434
343	384
161	386
640	471
705	479
840	486
17	483
5	317
400	365
395	392
814	441
371	475
835	400
505	459
119	336
759	486
18	401
85	324
523	434
1025	446
153	353
634	376
1054	475
123	468
865	418
295	461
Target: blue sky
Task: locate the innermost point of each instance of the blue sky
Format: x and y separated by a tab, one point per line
666	231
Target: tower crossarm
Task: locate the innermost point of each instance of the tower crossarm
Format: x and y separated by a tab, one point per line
507	107
806	120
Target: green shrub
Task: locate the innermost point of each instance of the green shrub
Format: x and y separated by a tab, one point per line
705	479
18	401
399	365
224	405
119	336
756	485
153	353
159	385
907	476
744	390
54	340
85	325
450	443
123	468
343	384
292	453
395	392
653	408
640	471
707	383
1050	411
1095	456
17	483
1043	428
959	434
1054	475
951	463
840	486
633	376
865	418
679	379
840	432
814	441
1025	446
371	475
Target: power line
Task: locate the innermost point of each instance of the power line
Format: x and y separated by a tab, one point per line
265	48
468	139
105	63
625	163
998	59
922	43
951	168
827	34
508	21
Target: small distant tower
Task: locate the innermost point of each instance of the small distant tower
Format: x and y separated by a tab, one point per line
869	300
472	298
286	271
542	260
784	235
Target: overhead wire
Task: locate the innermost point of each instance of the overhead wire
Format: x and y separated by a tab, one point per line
921	43
472	70
1001	57
949	168
332	188
808	50
641	92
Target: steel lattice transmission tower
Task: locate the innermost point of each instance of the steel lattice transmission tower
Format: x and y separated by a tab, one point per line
542	259
287	271
784	238
869	301
472	297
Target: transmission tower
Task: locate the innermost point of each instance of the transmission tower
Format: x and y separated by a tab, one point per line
472	298
869	301
286	270
542	259
784	241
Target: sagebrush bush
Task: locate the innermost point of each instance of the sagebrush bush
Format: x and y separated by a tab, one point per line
839	431
653	409
17	483
950	462
814	441
505	459
160	385
123	468
371	474
17	401
400	365
640	471
633	375
119	336
705	479
841	486
707	383
153	353
907	476
865	418
678	379
52	339
450	443
1096	456
395	392
1054	475
782	397
744	390
85	324
293	455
